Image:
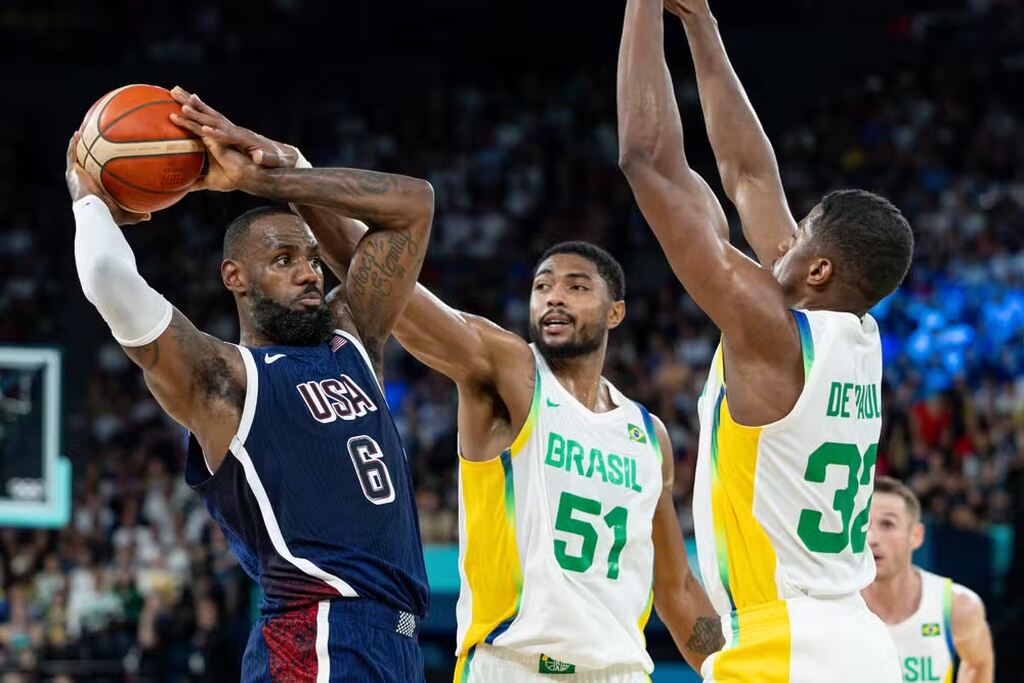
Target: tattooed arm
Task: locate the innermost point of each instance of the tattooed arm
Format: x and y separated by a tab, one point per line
398	212
678	596
198	380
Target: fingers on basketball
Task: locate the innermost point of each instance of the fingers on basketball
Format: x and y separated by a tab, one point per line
180	95
136	153
71	150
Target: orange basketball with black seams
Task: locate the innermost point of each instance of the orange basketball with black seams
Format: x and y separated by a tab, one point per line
131	147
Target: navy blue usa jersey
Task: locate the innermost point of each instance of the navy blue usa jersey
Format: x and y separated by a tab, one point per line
315	495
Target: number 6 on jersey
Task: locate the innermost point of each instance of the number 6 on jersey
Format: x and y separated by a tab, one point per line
368	459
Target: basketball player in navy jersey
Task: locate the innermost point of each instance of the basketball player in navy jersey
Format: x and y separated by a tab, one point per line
293	449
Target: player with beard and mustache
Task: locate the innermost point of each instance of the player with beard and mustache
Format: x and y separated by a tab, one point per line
565	485
292	446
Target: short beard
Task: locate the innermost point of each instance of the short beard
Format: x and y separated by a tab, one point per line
286	326
582	345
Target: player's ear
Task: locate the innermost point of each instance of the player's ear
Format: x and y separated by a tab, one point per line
616	314
233	277
819	271
917	536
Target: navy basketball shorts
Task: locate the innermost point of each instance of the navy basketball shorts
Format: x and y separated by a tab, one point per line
332	641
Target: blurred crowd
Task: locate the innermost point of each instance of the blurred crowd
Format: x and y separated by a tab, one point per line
143	579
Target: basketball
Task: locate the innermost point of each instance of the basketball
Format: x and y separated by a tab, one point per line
131	147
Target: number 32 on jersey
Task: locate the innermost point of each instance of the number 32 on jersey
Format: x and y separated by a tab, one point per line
860	472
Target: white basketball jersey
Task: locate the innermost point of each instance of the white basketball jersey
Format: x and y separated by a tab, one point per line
924	640
781	510
555	549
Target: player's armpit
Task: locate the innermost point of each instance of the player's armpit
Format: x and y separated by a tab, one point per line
679	598
198	379
972	637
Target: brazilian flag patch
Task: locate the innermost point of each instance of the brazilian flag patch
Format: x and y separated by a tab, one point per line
553	666
931	630
636	435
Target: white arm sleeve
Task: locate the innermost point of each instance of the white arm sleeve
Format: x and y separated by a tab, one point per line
135	312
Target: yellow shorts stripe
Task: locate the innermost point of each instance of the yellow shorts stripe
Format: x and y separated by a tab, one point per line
762	651
463	665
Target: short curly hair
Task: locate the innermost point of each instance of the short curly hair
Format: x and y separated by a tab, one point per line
607	266
870	238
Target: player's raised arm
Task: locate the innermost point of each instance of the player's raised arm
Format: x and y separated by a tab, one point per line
197	379
398	211
746	161
744	300
463	347
972	638
679	599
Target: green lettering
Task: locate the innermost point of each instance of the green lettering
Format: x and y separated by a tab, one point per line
574	454
633	483
927	666
597	464
843	412
910	672
614	469
858	391
877	412
556	447
835	393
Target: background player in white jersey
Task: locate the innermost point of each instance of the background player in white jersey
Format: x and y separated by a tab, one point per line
567	523
932	620
787	455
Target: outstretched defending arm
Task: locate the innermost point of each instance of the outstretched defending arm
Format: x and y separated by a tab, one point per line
197	379
746	161
743	299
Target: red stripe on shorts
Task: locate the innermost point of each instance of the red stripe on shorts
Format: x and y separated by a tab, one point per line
291	640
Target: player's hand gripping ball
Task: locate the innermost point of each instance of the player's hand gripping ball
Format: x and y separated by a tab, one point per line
130	146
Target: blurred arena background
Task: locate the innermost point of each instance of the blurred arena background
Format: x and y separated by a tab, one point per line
508	109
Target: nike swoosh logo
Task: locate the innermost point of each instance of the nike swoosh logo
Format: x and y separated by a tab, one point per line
272	358
552	404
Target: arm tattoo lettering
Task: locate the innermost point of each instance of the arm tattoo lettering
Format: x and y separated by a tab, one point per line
707	636
382	261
